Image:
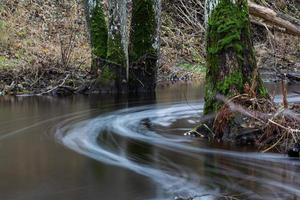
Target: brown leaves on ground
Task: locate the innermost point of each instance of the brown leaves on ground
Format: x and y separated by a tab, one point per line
38	80
34	33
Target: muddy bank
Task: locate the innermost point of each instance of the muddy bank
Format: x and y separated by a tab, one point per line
64	81
60	81
42	80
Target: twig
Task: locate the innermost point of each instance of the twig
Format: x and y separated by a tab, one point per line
52	89
284	94
274	145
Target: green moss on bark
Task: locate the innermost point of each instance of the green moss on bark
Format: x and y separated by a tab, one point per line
230	56
114	73
98	33
143	48
143	28
115	51
232	80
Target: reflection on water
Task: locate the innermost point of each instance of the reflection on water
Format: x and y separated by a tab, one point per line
127	150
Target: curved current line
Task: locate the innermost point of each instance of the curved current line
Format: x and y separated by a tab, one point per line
229	172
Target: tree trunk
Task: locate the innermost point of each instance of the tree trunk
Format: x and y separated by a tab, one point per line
231	64
144	45
97	28
114	75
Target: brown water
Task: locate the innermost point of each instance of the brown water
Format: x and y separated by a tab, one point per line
110	148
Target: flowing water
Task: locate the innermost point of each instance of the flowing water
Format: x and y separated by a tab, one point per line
85	148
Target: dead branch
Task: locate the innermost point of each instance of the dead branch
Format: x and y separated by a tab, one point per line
284	94
54	88
270	16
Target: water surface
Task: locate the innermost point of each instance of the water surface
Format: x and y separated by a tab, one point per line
110	148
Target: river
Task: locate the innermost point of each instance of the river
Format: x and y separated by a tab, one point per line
109	148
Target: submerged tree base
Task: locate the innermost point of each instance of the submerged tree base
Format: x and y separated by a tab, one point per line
259	122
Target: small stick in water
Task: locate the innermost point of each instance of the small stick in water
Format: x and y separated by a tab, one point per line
284	94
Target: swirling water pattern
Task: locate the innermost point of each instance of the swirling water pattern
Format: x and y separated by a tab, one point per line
180	166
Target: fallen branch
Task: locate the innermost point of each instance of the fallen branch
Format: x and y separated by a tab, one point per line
284	94
52	89
272	17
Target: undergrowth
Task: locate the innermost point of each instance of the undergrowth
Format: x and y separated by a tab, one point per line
35	33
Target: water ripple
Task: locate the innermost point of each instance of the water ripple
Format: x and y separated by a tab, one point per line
175	163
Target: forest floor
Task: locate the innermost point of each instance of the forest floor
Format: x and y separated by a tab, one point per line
44	46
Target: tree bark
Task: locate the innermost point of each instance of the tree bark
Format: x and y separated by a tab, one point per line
97	29
113	77
231	63
144	45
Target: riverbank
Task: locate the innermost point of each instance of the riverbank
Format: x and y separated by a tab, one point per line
64	81
260	123
44	47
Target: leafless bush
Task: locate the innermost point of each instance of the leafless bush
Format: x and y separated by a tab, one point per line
67	48
182	32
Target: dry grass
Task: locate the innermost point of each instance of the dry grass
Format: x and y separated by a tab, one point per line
182	33
35	33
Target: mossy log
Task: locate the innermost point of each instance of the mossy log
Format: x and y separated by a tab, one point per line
98	32
144	45
231	63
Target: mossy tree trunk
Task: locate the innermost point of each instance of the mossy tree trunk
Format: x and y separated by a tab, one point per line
114	75
144	45
98	32
231	60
